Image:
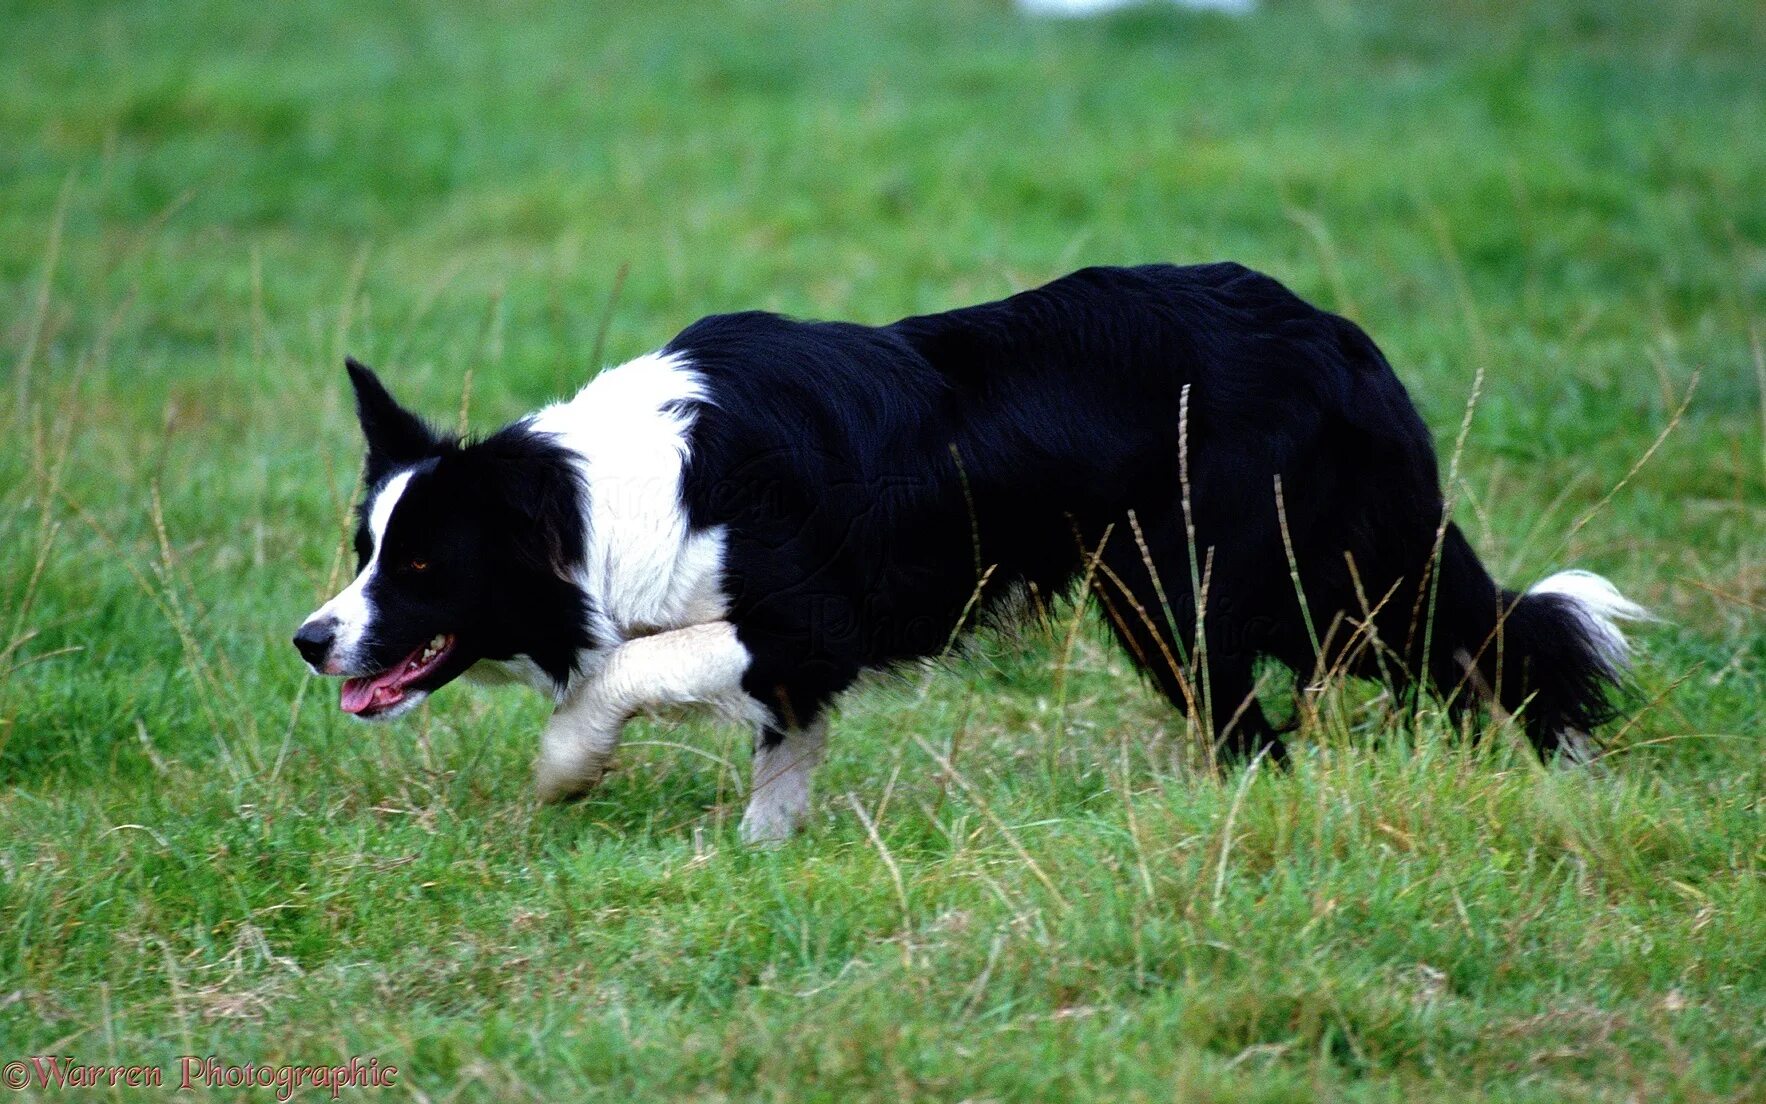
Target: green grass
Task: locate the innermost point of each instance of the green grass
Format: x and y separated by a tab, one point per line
204	205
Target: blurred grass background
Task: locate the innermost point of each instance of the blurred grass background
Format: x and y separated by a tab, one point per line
203	206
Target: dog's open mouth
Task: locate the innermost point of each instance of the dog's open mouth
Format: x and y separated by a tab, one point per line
366	695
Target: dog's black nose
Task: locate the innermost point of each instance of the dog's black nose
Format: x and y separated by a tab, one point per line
314	640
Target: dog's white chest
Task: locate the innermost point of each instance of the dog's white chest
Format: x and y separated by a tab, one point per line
521	669
645	569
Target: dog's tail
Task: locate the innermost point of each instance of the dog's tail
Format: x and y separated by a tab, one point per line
1553	656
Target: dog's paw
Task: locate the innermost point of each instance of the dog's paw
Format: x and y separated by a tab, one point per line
767	827
554	784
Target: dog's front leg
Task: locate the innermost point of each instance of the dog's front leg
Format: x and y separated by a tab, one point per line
697	665
784	763
577	745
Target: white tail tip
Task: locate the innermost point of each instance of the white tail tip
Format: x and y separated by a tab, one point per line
1602	608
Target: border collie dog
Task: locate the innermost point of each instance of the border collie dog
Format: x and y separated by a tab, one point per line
764	509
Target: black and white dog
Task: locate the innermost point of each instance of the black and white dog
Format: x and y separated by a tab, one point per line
765	508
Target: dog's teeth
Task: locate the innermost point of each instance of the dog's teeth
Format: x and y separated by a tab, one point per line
430	651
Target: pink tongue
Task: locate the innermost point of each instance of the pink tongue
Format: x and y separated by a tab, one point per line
371	692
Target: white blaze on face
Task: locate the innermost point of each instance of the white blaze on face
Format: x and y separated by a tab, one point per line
351	609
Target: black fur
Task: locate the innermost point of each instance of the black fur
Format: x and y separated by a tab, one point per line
870	478
497	526
881	489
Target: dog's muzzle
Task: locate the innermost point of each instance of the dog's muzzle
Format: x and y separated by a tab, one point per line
314	640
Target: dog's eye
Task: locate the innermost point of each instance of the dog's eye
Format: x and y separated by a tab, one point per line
419	565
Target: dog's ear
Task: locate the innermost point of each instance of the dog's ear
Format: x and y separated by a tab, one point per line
395	436
533	489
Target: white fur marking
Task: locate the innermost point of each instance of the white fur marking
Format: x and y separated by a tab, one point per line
697	665
645	569
519	669
779	797
1577	748
351	608
1601	607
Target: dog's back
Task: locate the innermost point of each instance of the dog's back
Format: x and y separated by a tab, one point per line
766	507
885	487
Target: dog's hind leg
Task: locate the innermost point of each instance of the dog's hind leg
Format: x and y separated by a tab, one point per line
1145	589
697	665
1241	730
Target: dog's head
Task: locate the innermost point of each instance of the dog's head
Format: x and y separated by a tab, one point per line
456	545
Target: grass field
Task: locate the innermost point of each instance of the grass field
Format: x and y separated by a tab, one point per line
203	206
